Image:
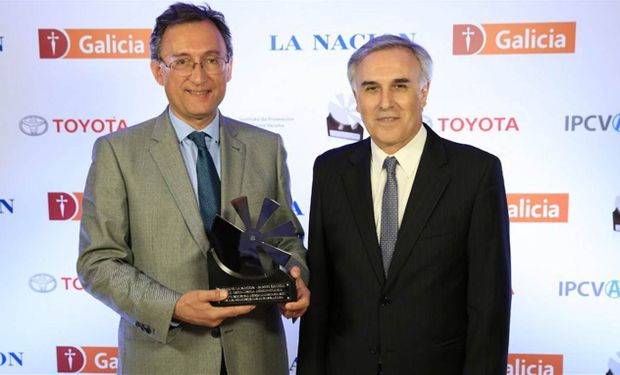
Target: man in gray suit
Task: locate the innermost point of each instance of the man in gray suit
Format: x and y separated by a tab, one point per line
143	241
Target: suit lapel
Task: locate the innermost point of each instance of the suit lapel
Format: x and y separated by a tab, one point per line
430	182
232	166
358	188
165	152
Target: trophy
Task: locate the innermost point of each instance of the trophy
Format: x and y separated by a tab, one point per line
251	270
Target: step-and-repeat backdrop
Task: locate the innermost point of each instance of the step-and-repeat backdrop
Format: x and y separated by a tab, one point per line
536	83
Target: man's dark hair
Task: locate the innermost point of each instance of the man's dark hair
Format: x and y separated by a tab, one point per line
179	13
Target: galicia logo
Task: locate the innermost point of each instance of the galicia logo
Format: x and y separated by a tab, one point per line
1	43
592	123
343	120
482	124
535	364
540	208
33	125
293	368
11	359
87	359
94	43
7	206
64	206
324	42
514	38
42	283
609	289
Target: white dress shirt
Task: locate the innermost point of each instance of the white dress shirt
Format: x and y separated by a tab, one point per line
408	159
189	150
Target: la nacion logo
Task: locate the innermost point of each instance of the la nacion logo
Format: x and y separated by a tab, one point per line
87	359
541	208
94	43
514	38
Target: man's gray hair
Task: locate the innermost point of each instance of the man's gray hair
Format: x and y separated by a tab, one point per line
388	41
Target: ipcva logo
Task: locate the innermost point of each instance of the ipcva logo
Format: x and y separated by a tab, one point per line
590	288
87	359
64	206
593	122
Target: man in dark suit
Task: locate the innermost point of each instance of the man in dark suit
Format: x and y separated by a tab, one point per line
408	245
147	215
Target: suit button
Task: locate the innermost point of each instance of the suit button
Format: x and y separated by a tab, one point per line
215	332
385	301
373	351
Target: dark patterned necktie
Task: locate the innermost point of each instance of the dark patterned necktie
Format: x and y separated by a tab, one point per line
209	189
389	213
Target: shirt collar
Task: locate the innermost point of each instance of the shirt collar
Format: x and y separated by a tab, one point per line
408	156
182	129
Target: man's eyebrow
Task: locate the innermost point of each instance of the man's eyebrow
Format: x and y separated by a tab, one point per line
402	80
369	83
397	80
206	53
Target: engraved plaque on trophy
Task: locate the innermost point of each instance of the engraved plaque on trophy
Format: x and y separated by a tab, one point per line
240	261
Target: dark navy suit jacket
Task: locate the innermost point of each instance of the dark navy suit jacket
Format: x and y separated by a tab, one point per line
445	305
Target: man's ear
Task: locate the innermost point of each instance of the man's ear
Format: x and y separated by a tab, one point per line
357	106
228	71
424	93
158	71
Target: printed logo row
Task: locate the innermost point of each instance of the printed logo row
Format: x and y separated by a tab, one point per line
522	207
46	283
97	359
343	121
467	39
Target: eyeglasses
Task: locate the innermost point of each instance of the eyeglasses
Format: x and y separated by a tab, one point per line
185	65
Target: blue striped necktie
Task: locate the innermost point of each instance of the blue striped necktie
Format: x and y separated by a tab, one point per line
389	213
209	189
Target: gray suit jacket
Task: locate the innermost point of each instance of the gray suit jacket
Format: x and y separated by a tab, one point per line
142	245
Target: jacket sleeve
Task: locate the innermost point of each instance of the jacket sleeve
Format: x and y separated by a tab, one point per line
489	286
105	262
314	324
